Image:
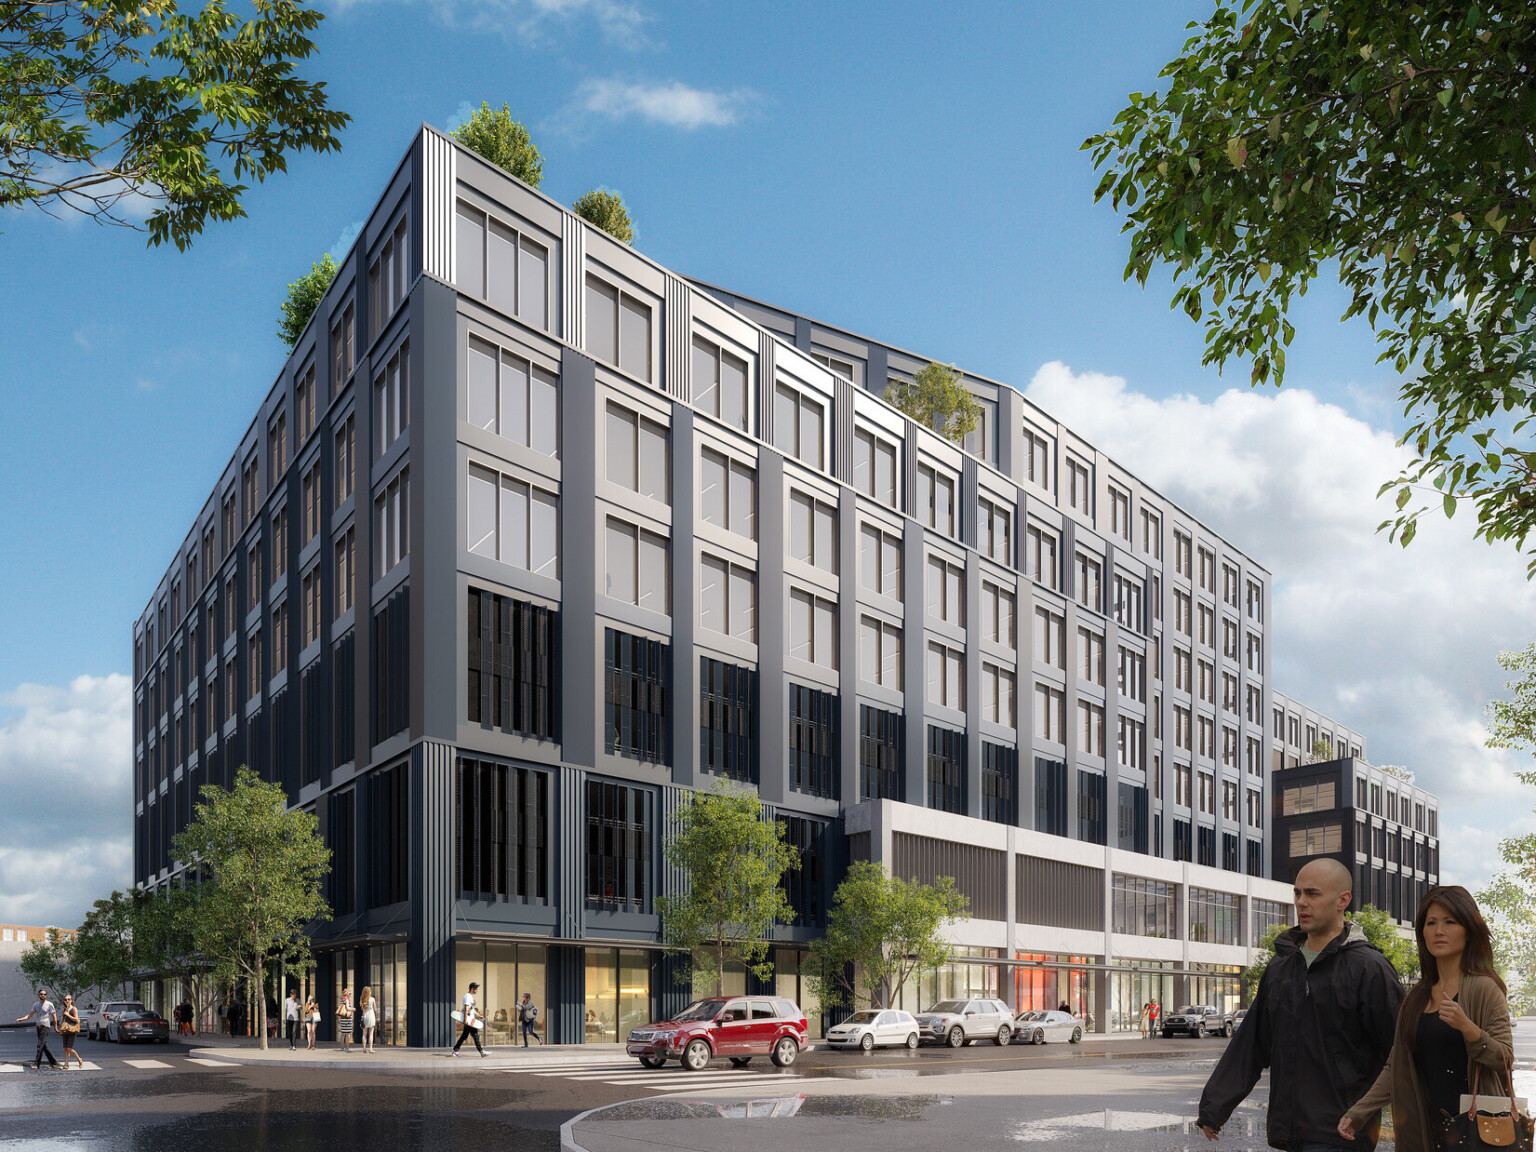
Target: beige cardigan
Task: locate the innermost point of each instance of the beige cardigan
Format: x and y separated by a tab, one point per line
1399	1083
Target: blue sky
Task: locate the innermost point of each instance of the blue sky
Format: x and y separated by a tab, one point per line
909	171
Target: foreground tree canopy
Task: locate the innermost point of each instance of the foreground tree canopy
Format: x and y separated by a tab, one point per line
106	103
1393	142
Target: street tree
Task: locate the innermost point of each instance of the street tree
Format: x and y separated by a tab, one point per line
734	861
937	398
503	141
304	296
605	209
1390	145
54	963
1509	905
881	931
112	106
105	943
261	866
165	944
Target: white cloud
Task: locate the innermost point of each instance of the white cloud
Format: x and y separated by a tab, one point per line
673	104
534	21
344	242
65	771
1396	643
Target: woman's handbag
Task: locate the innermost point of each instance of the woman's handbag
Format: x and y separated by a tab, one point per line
315	1016
1482	1129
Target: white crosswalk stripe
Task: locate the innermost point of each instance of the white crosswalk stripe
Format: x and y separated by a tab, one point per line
146	1063
211	1063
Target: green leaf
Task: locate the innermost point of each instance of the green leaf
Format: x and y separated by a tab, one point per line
1448	502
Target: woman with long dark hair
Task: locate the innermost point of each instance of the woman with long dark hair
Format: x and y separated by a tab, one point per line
1453	1023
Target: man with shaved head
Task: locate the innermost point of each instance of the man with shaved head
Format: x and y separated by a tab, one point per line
1322	1023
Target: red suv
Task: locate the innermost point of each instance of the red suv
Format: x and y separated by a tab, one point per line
738	1027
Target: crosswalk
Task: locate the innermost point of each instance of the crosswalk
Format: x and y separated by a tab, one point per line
669	1079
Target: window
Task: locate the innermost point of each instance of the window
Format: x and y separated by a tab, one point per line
1255	808
639	455
1183	736
280	542
310	596
1229	692
1207	570
1037	452
946	677
1089	576
502	822
720	384
1050	713
392	523
1316	841
253	664
277	447
256	583
999	783
638	567
812	531
728	493
879	562
513	398
802	886
305	402
1207	793
618	848
844	368
994	537
1143	907
1229	639
880	652
1229	801
513	522
618	329
1092	817
343	354
1050	638
1293	729
946	592
1230	586
232	688
503	266
635	696
797	429
1254	756
1183	779
997	613
1207	681
310	526
1131	674
1299	799
346	571
279	637
882	775
1128	603
1207	729
1090	728
1182	605
812	741
510	678
1151	534
1212	916
1183	554
1040	556
1255	654
727	703
346	460
1090	656
1079	486
812	629
1120	513
935	500
727	598
231	609
387	280
1255	602
392	400
1207	626
1131	741
874	467
250	489
1253	709
997	695
946	769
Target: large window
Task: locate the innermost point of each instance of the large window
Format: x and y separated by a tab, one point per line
880	652
636	682
511	646
728	493
997	695
1268	914
346	459
501	823
387	281
936	499
392	666
812	531
507	269
946	677
346	570
392	400
1040	563
1143	907
1090	576
618	848
1050	638
803	883
727	598
1050	714
1079	486
638	567
1298	799
277	447
1090	656
874	467
997	612
812	741
720	383
994	530
1128	606
1317	840
946	591
882	775
946	769
513	398
1092	808
812	629
879	561
798	425
1050	796
618	329
727	704
1090	728
999	783
392	523
343	349
1038	452
1212	916
639	454
513	522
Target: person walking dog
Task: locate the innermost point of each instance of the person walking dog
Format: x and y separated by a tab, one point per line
45	1016
528	1017
1322	1022
1453	1030
471	1023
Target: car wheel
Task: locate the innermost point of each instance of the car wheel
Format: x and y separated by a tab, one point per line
1226	1031
1037	1036
1167	1035
1004	1035
1077	1035
912	1042
956	1037
1200	1031
867	1042
696	1056
784	1052
652	1061
740	1061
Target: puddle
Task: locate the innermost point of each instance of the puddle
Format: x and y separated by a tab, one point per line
876	1108
1058	1128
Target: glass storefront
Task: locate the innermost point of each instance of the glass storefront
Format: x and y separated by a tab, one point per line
387	977
504	972
618	993
952	981
1223	987
1128	991
1039	988
791	970
342	977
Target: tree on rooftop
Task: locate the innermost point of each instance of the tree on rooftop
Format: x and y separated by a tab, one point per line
937	398
503	141
304	296
605	209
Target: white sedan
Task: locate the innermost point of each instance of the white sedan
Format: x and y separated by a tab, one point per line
1043	1027
874	1026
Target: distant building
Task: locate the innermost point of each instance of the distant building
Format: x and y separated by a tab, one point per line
25	932
1295	729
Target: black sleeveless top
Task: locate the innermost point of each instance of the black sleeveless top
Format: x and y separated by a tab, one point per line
1440	1054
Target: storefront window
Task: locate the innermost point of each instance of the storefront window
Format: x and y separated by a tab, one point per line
1128	991
387	977
1222	988
504	972
618	993
1039	988
789	980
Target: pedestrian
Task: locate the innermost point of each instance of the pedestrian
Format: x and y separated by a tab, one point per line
1154	1013
184	1014
45	1017
1453	1022
528	1017
224	1015
367	1016
271	1018
1064	1007
1143	1017
69	1028
291	1008
1322	1023
311	1021
344	1019
471	1028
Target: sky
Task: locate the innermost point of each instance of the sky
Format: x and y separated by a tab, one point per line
909	171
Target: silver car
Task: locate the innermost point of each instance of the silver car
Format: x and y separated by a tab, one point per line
102	1026
957	1022
1045	1027
873	1027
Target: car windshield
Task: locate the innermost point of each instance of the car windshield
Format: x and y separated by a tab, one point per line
1031	1015
1189	1008
948	1006
701	1010
865	1017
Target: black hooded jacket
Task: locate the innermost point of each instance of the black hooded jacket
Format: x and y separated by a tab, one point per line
1323	1032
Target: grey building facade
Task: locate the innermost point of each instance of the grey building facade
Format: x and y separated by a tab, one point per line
531	536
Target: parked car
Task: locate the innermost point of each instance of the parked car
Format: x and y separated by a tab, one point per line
98	1026
1045	1027
1238	1017
957	1022
737	1027
874	1026
1197	1020
140	1024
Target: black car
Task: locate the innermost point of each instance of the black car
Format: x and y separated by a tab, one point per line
140	1024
